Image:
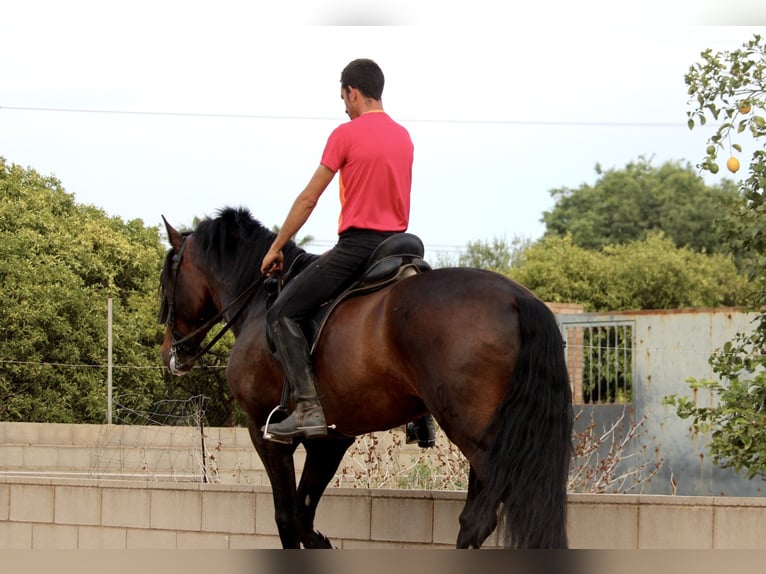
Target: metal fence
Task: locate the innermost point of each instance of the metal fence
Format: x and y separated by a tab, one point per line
600	358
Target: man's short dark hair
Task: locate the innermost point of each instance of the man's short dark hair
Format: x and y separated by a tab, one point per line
364	75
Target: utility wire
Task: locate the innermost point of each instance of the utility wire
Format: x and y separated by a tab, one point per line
657	350
554	123
78	365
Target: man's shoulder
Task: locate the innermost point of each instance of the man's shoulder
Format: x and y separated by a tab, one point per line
388	120
375	124
379	120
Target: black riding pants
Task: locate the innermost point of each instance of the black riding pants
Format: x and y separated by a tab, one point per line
328	276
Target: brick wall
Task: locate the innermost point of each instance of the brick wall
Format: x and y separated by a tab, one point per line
37	513
48	501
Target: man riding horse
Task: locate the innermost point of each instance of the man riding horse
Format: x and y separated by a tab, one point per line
374	156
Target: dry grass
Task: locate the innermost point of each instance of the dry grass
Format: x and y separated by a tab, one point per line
382	460
601	462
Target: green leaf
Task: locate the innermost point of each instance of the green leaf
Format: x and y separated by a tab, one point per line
68	258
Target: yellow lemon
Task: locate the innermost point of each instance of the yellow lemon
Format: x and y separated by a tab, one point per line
743	107
733	164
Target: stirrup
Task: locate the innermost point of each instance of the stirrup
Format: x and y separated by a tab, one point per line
265	428
300	431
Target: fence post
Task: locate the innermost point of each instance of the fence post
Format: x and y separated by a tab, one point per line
109	361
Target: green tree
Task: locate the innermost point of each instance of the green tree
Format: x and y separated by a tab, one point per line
628	204
59	263
730	87
648	274
557	270
496	255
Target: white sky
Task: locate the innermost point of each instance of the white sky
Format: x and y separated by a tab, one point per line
240	110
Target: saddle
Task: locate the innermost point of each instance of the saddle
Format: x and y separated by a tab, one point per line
396	258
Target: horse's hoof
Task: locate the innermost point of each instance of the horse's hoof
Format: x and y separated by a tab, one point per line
317	540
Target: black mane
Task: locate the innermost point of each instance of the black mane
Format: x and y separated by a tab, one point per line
233	245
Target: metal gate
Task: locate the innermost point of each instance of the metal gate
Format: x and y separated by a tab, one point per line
599	355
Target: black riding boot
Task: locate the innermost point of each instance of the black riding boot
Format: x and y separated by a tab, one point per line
421	430
293	352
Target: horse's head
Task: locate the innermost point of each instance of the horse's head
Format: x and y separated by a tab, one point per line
187	304
211	274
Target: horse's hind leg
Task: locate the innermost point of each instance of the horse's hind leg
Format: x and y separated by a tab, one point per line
473	530
322	460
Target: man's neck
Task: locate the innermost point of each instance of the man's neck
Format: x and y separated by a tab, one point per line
370	105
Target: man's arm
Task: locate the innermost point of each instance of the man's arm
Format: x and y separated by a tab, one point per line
299	213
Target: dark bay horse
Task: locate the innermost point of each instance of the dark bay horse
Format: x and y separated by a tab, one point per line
478	351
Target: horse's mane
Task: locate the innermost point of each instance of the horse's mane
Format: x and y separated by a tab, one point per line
233	245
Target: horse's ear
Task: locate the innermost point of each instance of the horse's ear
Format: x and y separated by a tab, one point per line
174	237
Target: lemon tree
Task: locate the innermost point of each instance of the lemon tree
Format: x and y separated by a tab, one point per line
730	88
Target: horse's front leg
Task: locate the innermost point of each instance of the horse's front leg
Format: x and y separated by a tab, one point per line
278	461
323	456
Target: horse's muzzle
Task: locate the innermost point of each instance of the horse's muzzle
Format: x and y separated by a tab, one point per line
176	368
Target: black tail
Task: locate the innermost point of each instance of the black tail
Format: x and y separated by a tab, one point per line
529	457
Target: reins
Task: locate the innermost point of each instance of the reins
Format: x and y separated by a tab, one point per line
246	295
243	297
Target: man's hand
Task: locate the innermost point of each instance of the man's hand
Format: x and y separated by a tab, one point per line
272	262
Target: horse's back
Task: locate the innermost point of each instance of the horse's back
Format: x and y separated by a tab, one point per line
432	341
464	305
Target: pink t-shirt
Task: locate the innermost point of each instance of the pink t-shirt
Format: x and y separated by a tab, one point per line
374	155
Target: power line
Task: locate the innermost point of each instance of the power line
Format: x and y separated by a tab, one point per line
78	365
167	114
658	350
551	123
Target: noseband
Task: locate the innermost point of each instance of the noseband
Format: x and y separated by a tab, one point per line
183	343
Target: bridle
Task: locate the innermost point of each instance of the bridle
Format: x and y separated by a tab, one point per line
182	342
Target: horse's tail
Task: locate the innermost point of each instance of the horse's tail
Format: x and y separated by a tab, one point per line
530	452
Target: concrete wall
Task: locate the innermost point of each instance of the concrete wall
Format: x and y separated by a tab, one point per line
94	486
672	346
167	453
157	453
39	513
669	347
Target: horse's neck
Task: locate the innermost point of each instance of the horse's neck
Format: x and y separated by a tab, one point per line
228	297
239	303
